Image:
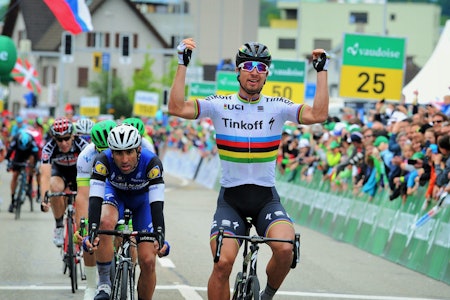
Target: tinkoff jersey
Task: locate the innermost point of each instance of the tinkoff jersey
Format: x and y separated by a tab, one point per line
248	134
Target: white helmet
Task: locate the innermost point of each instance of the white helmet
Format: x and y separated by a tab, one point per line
124	137
84	126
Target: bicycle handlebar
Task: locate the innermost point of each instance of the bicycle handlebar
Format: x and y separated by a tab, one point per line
49	195
143	235
255	239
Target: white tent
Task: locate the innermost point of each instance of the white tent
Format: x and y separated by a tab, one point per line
433	80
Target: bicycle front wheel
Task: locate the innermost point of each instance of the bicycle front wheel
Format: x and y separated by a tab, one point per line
252	288
70	256
123	287
237	292
19	194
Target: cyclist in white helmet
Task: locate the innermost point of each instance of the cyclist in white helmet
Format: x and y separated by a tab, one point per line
248	128
126	176
99	135
83	128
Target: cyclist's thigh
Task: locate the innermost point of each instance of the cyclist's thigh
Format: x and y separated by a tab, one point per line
140	209
273	214
227	217
111	200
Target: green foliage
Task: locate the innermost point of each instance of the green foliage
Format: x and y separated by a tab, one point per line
167	78
268	11
144	79
118	99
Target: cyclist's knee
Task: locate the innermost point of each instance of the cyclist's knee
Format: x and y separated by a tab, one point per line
223	267
107	223
147	262
283	252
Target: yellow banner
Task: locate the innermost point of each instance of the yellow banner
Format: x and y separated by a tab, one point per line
371	83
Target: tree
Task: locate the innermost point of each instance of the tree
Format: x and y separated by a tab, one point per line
117	103
144	79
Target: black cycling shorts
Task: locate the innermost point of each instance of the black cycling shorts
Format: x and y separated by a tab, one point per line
261	204
68	175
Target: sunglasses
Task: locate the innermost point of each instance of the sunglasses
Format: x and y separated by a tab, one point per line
250	65
62	139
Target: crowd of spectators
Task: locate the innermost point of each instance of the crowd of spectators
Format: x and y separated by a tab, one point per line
395	147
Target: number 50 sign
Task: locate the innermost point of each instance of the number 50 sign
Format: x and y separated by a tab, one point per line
372	67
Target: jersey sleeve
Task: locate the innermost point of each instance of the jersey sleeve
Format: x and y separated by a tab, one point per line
155	174
100	171
84	168
47	152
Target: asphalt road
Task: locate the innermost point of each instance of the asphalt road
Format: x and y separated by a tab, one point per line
31	266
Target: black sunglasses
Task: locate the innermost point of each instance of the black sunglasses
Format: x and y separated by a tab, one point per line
62	139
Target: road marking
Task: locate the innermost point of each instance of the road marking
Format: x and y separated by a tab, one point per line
189	292
166	262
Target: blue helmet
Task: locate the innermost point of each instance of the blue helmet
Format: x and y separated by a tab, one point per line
24	140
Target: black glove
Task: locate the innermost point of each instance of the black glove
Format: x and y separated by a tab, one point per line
184	54
321	63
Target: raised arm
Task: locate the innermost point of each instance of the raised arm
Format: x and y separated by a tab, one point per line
318	113
177	104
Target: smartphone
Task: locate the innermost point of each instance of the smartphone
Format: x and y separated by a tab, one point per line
434	148
412	161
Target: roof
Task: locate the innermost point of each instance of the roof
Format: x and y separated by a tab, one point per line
44	30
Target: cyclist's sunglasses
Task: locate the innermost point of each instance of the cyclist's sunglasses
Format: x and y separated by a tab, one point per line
62	139
250	65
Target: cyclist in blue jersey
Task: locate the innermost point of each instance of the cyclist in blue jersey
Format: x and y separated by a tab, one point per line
24	148
248	128
126	176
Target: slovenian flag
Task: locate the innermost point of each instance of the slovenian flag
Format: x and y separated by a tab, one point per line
73	15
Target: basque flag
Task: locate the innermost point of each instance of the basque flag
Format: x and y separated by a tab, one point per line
25	74
73	15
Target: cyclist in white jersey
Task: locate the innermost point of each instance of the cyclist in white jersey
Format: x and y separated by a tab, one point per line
99	137
248	130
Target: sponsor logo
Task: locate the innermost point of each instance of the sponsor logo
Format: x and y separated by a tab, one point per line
271	123
100	168
279	99
233	107
242	125
226	223
155	172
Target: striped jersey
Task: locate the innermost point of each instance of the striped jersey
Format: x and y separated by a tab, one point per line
248	134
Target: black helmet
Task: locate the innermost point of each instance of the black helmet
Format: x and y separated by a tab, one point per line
253	51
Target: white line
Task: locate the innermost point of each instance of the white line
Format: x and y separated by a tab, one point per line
166	262
188	292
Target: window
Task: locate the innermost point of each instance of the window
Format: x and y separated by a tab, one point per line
83	77
322	44
358	17
97	40
286	43
134	43
49	75
291	14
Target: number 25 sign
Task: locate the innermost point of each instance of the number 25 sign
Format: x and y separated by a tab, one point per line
372	67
